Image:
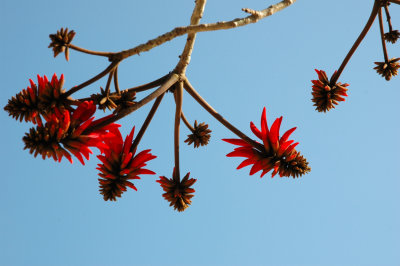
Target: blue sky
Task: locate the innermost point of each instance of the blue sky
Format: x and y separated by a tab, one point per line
345	212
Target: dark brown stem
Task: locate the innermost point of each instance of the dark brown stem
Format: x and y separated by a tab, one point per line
124	112
90	81
388	18
364	32
86	51
382	36
150	85
188	125
146	122
395	1
178	111
116	85
189	88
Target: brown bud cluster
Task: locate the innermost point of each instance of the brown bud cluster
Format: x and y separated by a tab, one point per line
294	168
327	95
388	69
392	36
200	135
60	40
117	101
178	192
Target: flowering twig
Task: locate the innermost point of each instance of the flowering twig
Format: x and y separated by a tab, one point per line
364	32
189	88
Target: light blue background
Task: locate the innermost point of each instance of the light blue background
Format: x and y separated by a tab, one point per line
345	212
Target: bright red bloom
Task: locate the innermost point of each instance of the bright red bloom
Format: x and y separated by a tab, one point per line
119	164
35	100
276	153
65	133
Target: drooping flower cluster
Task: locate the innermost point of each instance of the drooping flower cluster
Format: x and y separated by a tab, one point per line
327	95
35	100
178	192
119	164
275	153
392	36
65	133
200	135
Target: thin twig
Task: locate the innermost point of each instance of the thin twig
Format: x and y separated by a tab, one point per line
189	88
395	1
188	125
110	76
178	111
86	51
149	85
146	122
124	112
388	18
364	32
223	25
90	81
382	36
116	85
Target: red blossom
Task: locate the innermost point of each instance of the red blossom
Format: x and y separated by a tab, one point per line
65	133
119	164
276	153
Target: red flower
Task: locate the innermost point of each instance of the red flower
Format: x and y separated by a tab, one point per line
34	101
327	95
276	153
119	164
64	133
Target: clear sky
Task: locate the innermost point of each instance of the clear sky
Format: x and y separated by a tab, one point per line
345	212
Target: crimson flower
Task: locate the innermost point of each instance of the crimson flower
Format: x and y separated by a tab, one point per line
119	164
38	100
327	95
65	133
275	153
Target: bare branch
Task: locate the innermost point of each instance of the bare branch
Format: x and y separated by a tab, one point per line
223	25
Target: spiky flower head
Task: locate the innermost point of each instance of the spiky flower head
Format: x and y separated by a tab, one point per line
325	94
200	135
388	69
178	192
37	100
65	133
119	164
275	153
60	40
392	36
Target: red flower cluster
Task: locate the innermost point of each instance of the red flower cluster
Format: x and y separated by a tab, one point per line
276	153
65	133
119	164
34	101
